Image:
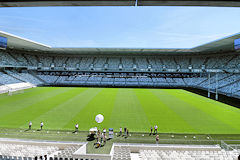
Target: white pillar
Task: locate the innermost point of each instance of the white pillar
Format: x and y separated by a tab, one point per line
216	87
209	85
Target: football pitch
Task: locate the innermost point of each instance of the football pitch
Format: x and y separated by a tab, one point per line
173	110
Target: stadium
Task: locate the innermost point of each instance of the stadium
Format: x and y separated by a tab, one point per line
192	95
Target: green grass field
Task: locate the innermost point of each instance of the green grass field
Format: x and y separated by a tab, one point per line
173	110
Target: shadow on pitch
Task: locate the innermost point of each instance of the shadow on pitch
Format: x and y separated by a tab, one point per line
90	138
31	130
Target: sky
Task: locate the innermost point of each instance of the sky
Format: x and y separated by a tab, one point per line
121	27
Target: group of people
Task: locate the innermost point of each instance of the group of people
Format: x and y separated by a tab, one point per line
41	126
41	157
101	138
155	130
126	132
30	125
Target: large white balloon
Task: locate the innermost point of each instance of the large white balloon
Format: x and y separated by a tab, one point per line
99	118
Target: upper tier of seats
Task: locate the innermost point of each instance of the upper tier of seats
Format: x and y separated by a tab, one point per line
227	61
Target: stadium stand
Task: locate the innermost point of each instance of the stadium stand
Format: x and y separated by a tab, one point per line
23	150
169	152
160	62
27	68
7	79
191	155
14	149
216	73
66	152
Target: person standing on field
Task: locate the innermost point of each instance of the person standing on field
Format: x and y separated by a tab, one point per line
120	131
98	135
41	125
157	139
104	140
30	125
151	130
76	127
102	136
155	129
125	131
104	131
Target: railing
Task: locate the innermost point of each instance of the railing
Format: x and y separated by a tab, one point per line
174	70
226	146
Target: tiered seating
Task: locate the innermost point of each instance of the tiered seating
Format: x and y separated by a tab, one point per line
86	62
48	78
222	61
142	63
169	62
228	83
24	150
72	61
81	78
6	59
31	59
188	155
113	63
155	63
99	62
180	82
194	81
197	61
66	152
6	79
145	81
127	62
25	77
132	81
119	81
59	61
20	59
172	152
94	80
234	63
121	153
46	60
62	79
182	61
107	81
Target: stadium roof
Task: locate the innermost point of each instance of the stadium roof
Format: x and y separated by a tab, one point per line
224	45
15	42
18	43
31	3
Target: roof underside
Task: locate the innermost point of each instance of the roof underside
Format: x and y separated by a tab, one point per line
18	43
15	42
32	3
